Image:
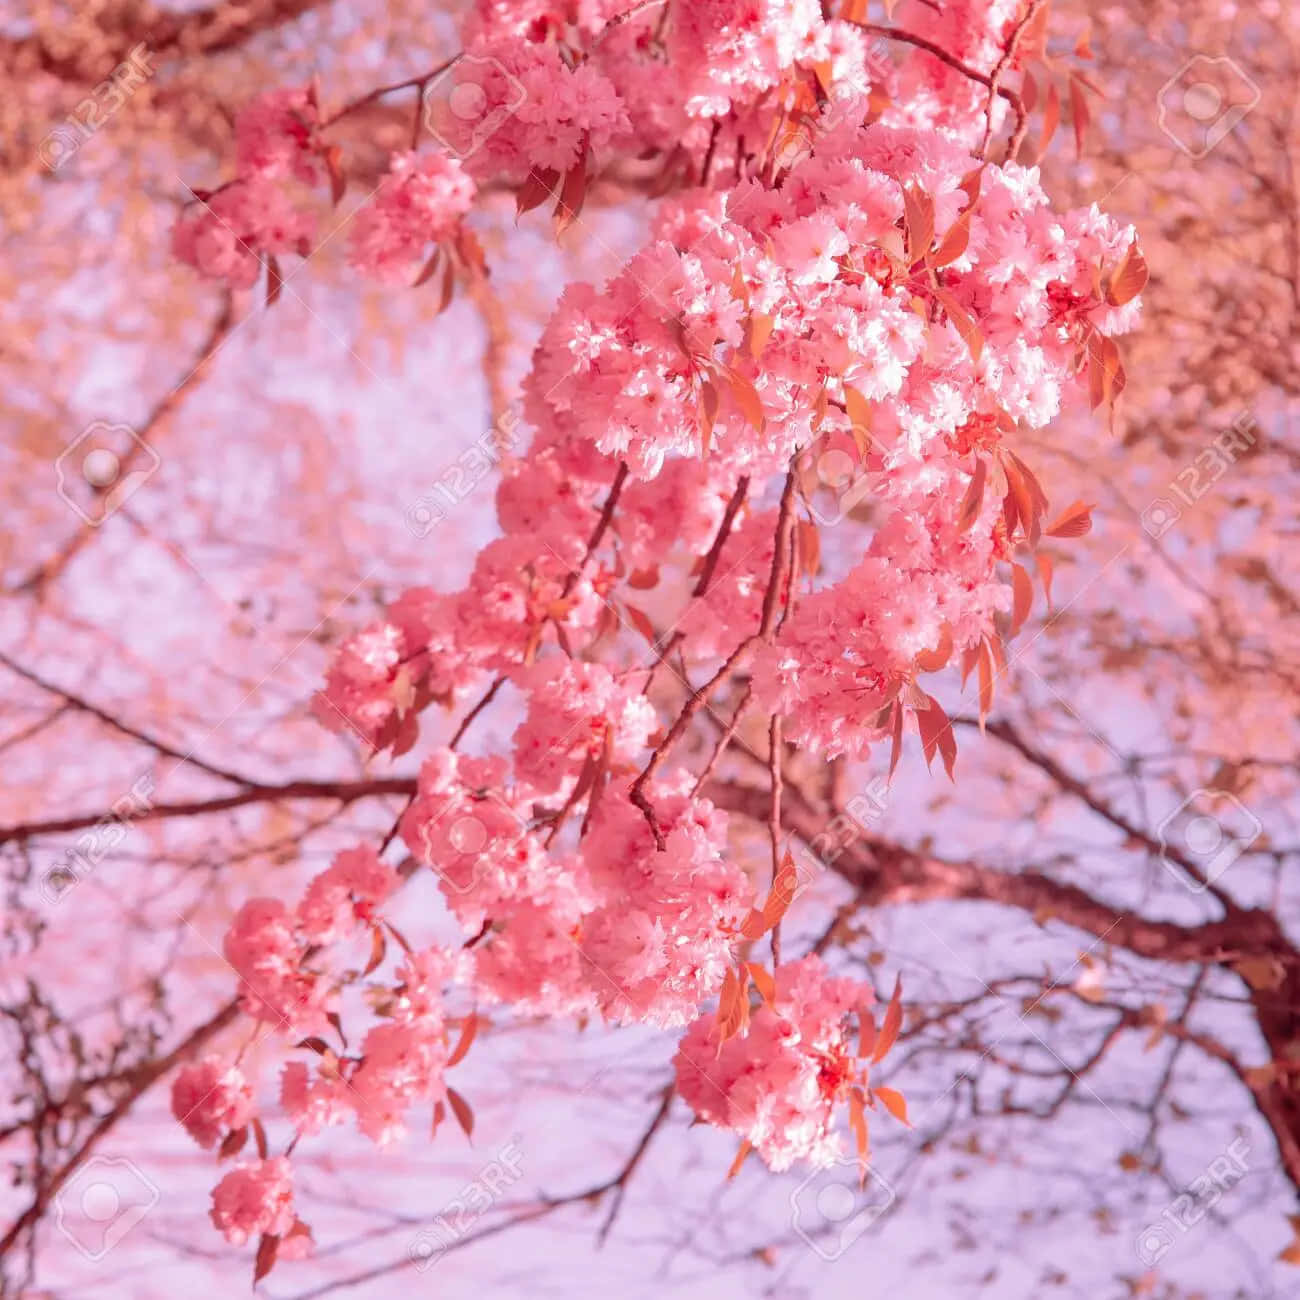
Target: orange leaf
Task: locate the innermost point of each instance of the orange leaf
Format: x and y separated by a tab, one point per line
963	322
760	330
338	179
784	888
1022	589
858	1123
1081	113
1130	277
986	682
427	270
896	745
931	661
1051	117
763	981
747	399
1045	573
892	1024
866	1032
893	1102
954	243
858	407
918	219
974	498
745	1148
1075	521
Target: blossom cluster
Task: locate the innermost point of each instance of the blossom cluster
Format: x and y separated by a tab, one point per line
231	230
777	1084
862	291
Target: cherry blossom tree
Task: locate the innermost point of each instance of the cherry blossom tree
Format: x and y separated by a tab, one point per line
809	439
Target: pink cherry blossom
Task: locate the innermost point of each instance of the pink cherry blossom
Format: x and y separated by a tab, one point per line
255	1197
211	1098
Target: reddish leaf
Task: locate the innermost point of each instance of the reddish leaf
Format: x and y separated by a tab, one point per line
764	981
858	1123
1051	117
427	270
893	1022
918	221
378	947
260	1134
986	682
936	734
462	1110
866	1032
858	407
448	286
733	1006
1026	503
467	1032
747	399
1045	574
539	187
784	887
1075	520
338	179
1130	277
954	243
759	329
931	661
893	1102
974	498
573	195
641	623
233	1143
1080	112
470	250
745	1148
274	280
963	322
267	1249
1022	589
